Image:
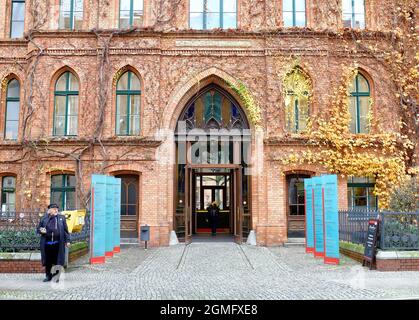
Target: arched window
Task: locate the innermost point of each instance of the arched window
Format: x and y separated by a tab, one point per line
297	91
211	14
11	127
71	14
17	21
131	13
359	104
353	14
63	191
294	13
128	105
66	105
8	194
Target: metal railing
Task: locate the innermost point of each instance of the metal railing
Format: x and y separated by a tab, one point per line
353	225
18	231
399	231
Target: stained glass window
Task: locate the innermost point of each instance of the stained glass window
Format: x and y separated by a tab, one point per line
297	87
213	109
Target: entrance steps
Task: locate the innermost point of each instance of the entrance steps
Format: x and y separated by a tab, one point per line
295	242
129	241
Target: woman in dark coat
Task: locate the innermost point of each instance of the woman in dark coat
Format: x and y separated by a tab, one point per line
54	237
213	212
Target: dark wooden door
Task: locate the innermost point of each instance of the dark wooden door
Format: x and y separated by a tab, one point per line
129	205
296	205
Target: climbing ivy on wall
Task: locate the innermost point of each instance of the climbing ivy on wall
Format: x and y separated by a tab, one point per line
380	154
249	103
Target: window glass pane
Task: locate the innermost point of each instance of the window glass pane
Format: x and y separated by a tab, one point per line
9	182
287	5
300	5
213	20
363	84
57	198
123	82
196	21
229	5
18	11
135	82
230	21
13	89
72	125
134	125
121	124
347	6
73	105
302	114
59	125
17	29
135	105
359	21
60	105
196	5
73	83
125	5
61	84
70	200
12	110
57	181
78	5
121	104
300	19
363	114
132	210
132	194
288	19
359	6
138	5
361	203
11	130
71	180
352	111
213	6
360	192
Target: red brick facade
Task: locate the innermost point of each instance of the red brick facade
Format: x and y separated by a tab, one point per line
398	265
21	266
172	63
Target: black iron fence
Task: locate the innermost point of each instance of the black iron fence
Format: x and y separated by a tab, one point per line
353	225
398	230
18	231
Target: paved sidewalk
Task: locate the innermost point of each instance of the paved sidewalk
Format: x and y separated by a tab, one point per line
214	271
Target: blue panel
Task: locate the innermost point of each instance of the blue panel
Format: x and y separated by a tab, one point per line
117	213
308	189
98	215
331	219
109	215
318	217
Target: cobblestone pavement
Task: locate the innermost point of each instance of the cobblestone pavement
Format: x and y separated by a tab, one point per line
214	271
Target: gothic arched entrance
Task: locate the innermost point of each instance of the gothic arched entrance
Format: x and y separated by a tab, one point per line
213	145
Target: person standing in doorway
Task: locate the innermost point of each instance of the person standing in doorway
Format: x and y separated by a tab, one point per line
54	237
213	212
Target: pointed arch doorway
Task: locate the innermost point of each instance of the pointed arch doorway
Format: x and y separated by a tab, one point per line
213	145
